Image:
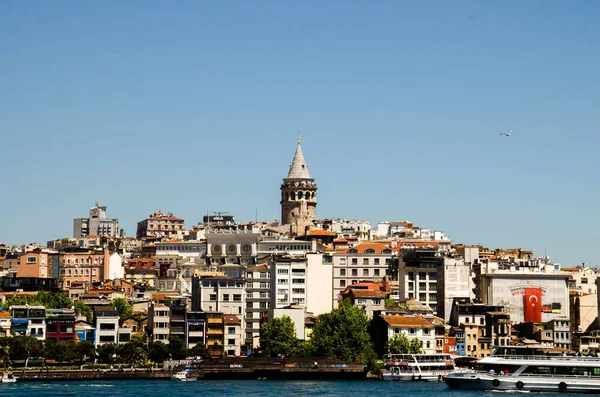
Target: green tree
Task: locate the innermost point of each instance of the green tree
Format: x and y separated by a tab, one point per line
398	344
66	352
123	307
158	352
133	352
177	349
199	350
5	344
107	353
85	350
278	337
23	347
342	334
389	301
84	310
415	346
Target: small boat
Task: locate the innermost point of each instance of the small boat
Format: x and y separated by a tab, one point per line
418	367
8	377
530	369
183	376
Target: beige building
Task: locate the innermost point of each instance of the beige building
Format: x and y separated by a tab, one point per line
233	335
159	319
160	225
363	262
83	266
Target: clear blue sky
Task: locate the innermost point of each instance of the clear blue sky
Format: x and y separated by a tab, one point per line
192	105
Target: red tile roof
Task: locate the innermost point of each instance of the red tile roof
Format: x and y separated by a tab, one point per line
231	320
366	293
407	321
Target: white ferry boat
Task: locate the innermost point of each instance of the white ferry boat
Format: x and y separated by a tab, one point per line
8	377
417	367
183	376
530	369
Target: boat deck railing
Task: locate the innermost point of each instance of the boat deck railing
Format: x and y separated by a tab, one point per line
550	358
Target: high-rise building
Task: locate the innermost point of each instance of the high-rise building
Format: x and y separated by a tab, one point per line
97	224
298	195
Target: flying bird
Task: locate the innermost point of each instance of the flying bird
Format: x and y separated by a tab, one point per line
506	133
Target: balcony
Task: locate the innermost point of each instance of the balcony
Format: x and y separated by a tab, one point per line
215	320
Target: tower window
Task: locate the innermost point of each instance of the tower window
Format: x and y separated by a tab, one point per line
300	196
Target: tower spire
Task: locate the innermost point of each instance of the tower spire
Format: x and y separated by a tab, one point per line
298	168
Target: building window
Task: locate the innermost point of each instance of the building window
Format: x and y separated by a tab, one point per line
376	272
31	259
354	272
212	297
226	297
365	272
246	248
231	330
342	272
365	261
342	283
354	261
237	297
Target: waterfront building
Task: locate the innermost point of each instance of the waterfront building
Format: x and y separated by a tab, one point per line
195	328
60	325
385	326
159	226
233	335
5	323
176	263
96	224
298	195
107	326
159	323
231	251
29	321
215	329
559	332
178	306
85	331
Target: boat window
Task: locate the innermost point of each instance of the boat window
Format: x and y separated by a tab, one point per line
538	370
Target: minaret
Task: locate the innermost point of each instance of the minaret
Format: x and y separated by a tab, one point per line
298	195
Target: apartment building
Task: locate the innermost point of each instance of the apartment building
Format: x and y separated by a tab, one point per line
233	335
258	299
29	321
159	322
159	226
37	263
362	262
82	266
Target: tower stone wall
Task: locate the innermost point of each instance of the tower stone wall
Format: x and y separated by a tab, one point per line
298	195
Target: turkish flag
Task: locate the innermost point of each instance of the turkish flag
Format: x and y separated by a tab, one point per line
532	305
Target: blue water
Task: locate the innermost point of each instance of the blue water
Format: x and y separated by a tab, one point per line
165	388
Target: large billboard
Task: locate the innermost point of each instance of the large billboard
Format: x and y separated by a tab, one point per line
540	298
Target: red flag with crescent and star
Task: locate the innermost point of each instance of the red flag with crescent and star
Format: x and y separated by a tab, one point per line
532	305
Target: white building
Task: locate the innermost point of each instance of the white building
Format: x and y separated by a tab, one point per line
233	335
302	280
519	287
107	325
414	326
296	314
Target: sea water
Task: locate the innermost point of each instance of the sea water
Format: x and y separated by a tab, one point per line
228	388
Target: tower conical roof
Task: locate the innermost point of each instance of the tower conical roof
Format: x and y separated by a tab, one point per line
298	168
